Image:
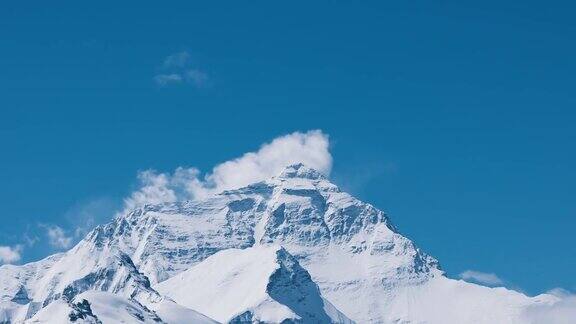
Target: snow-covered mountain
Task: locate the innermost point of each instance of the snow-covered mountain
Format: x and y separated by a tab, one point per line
293	247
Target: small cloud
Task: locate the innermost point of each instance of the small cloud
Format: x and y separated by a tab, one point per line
166	79
561	311
57	237
484	278
178	68
155	188
10	254
30	240
177	60
197	78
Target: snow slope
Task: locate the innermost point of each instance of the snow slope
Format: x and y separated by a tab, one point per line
104	307
263	284
443	300
95	307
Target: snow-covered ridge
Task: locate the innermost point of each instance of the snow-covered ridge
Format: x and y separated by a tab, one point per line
362	265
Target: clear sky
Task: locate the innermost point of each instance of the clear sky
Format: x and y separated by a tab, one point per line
457	119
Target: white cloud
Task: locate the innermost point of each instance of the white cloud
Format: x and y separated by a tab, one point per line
155	188
180	59
489	279
310	148
178	68
197	78
30	240
10	254
57	237
165	79
563	311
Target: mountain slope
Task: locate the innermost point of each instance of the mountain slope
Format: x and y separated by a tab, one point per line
85	267
94	307
258	284
50	286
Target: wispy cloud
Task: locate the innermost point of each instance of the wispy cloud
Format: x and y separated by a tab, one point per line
30	240
166	79
197	78
57	237
310	148
154	188
13	253
10	254
178	60
179	68
76	223
489	279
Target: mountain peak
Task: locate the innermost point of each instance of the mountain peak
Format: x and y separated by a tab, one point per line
299	170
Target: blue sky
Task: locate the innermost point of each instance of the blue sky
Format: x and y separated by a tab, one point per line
456	119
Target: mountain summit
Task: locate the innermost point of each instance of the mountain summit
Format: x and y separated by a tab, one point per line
338	260
299	170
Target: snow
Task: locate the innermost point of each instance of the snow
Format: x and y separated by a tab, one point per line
57	312
111	308
443	300
105	307
173	313
218	256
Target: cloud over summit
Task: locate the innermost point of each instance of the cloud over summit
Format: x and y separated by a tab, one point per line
310	148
